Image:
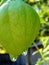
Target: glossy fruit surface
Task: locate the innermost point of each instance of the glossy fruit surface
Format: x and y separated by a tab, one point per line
19	25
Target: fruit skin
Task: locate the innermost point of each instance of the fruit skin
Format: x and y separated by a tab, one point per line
19	26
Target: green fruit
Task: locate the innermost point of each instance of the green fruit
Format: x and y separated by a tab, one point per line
19	26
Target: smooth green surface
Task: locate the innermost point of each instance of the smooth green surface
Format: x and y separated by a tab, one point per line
19	25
